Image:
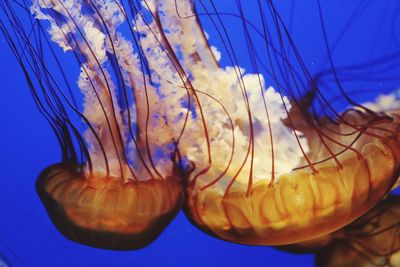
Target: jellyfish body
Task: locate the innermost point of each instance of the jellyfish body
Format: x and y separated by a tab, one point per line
105	212
304	203
165	125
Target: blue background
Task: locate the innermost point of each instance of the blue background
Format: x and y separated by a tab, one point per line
27	145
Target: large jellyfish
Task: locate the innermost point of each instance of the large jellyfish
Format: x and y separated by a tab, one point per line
266	154
279	165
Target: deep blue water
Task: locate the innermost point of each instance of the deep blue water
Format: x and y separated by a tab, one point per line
27	145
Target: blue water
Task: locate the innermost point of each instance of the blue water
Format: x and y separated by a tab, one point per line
27	145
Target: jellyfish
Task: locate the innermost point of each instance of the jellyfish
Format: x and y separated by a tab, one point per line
156	122
279	165
119	181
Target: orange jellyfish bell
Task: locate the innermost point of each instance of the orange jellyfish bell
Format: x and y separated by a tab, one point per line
107	212
337	187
